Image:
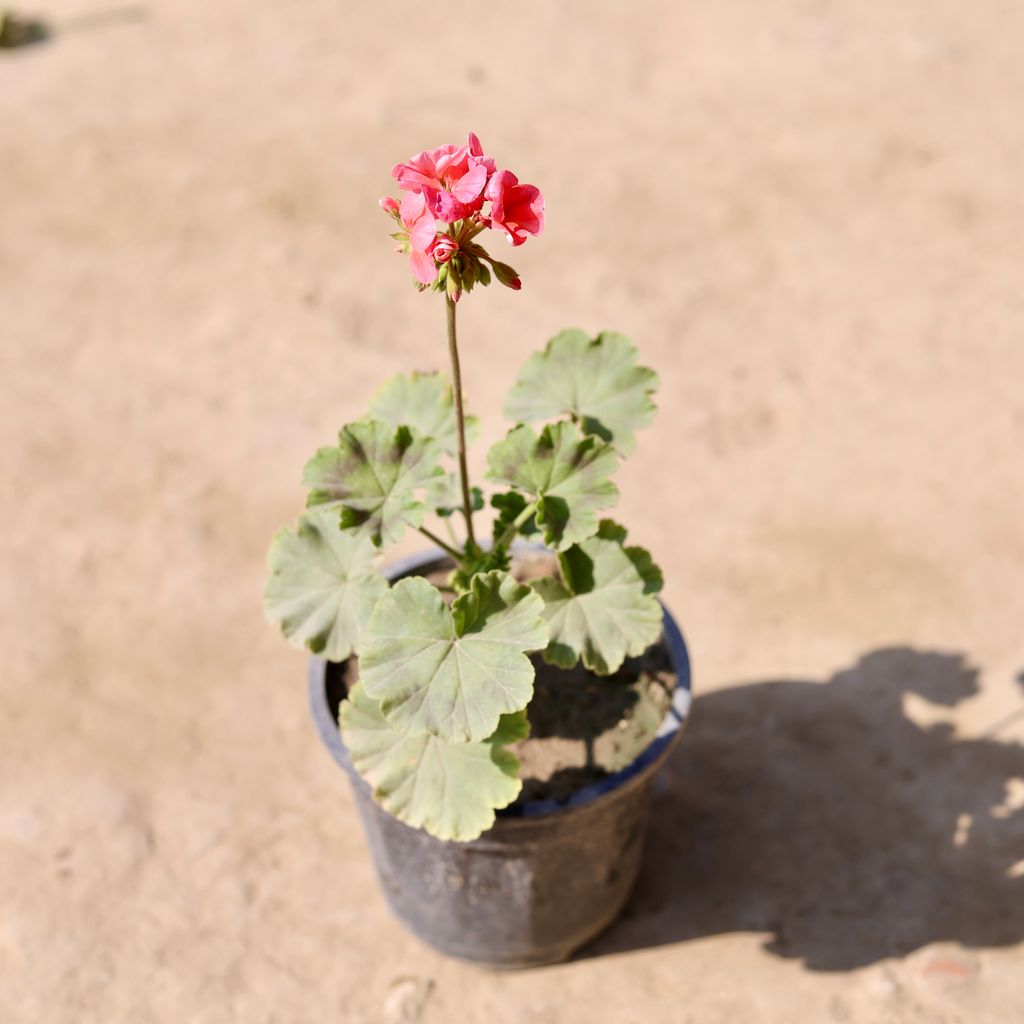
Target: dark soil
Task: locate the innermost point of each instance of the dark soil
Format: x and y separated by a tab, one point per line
583	726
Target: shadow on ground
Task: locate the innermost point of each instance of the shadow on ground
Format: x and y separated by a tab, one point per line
821	815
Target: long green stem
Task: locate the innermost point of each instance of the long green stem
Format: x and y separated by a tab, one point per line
433	537
460	419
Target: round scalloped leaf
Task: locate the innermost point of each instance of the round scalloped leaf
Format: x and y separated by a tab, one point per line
450	789
322	585
372	476
602	609
452	672
424	402
565	472
594	380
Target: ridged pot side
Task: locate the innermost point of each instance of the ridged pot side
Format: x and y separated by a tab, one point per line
546	878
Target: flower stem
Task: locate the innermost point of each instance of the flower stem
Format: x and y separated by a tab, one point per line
433	538
460	420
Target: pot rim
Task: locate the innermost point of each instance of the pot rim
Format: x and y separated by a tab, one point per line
668	734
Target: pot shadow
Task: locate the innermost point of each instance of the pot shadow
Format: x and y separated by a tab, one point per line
821	815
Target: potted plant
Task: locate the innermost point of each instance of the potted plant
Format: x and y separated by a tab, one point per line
436	670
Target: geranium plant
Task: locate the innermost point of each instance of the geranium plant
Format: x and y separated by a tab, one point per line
445	677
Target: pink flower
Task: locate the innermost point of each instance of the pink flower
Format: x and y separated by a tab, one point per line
452	178
419	222
516	209
445	248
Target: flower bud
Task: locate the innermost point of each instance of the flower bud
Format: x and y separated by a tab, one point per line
506	275
468	275
388	205
453	284
445	248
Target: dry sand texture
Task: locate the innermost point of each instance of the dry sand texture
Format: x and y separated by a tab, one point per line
809	217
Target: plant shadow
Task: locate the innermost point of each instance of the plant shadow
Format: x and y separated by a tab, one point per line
17	31
821	815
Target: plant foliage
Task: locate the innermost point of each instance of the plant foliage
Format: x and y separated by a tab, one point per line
594	380
423	402
452	672
566	475
602	609
323	585
445	674
374	476
450	789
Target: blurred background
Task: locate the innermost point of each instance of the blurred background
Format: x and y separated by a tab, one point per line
807	215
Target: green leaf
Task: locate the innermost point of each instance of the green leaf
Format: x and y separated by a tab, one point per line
565	472
445	496
608	529
596	381
449	789
510	506
372	477
602	609
511	728
477	560
452	672
424	402
322	585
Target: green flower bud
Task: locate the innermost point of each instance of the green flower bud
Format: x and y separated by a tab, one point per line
454	283
469	274
506	275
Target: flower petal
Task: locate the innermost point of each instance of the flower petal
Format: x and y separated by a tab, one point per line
524	205
423	267
446	207
470	185
500	181
419	171
411	209
423	233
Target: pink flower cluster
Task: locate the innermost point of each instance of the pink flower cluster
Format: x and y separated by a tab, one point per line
442	211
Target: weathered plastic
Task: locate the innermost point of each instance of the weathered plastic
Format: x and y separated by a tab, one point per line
542	882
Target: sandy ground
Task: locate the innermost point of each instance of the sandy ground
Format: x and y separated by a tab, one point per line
807	214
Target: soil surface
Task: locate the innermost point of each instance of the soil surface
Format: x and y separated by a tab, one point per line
584	726
809	217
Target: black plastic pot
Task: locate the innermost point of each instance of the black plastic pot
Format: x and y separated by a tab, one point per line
547	877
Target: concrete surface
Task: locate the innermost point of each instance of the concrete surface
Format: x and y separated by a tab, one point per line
808	215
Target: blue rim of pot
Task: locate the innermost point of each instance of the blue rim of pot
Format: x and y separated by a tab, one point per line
668	732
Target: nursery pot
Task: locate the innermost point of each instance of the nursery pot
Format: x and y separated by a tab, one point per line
547	877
